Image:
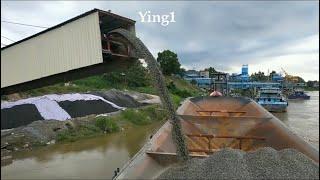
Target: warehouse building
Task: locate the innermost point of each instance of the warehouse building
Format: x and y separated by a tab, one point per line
74	49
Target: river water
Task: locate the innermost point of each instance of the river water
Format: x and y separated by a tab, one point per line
302	117
97	158
93	158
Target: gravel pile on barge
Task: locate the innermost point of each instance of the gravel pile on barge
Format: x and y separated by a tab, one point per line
265	163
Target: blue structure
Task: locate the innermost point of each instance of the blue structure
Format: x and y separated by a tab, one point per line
201	82
244	76
277	78
193	75
249	85
245	73
235	81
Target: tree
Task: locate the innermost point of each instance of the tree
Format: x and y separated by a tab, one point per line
272	74
211	71
300	79
194	82
182	72
258	76
169	62
137	75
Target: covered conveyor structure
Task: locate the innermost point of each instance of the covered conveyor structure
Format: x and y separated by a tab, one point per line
74	49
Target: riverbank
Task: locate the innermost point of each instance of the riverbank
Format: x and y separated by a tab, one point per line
78	120
89	158
41	133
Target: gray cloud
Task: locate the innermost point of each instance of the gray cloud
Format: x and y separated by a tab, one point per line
213	33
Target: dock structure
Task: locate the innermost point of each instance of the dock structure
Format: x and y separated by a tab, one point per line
76	48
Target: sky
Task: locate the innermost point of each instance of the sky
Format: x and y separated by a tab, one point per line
221	34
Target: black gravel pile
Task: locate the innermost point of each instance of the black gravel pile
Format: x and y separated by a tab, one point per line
19	115
119	98
81	108
265	163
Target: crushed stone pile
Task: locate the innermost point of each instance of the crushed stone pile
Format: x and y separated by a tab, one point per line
63	107
122	99
26	113
265	163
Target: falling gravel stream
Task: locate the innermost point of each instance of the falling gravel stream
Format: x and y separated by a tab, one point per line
160	85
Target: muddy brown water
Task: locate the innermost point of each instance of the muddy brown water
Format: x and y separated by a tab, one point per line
97	158
93	158
302	117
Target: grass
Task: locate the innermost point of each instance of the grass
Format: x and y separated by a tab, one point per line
72	135
144	115
107	124
110	124
183	85
176	100
178	87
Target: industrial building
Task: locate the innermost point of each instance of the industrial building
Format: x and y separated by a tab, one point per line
233	81
74	49
243	76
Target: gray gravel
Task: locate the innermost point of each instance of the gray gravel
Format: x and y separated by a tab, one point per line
118	97
159	83
265	163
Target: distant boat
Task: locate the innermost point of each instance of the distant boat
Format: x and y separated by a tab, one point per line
298	94
272	100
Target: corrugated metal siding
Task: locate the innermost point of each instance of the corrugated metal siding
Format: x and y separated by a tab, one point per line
72	46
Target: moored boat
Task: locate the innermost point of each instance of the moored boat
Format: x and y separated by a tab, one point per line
272	100
210	124
298	94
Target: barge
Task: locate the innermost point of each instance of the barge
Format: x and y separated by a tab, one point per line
210	124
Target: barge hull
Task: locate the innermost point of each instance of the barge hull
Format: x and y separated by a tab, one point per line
210	124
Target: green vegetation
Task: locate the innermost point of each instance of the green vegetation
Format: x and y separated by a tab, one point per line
211	71
143	116
135	79
312	86
260	76
110	124
82	131
169	62
107	124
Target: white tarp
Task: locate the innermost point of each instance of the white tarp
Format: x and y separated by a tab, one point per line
49	108
59	98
